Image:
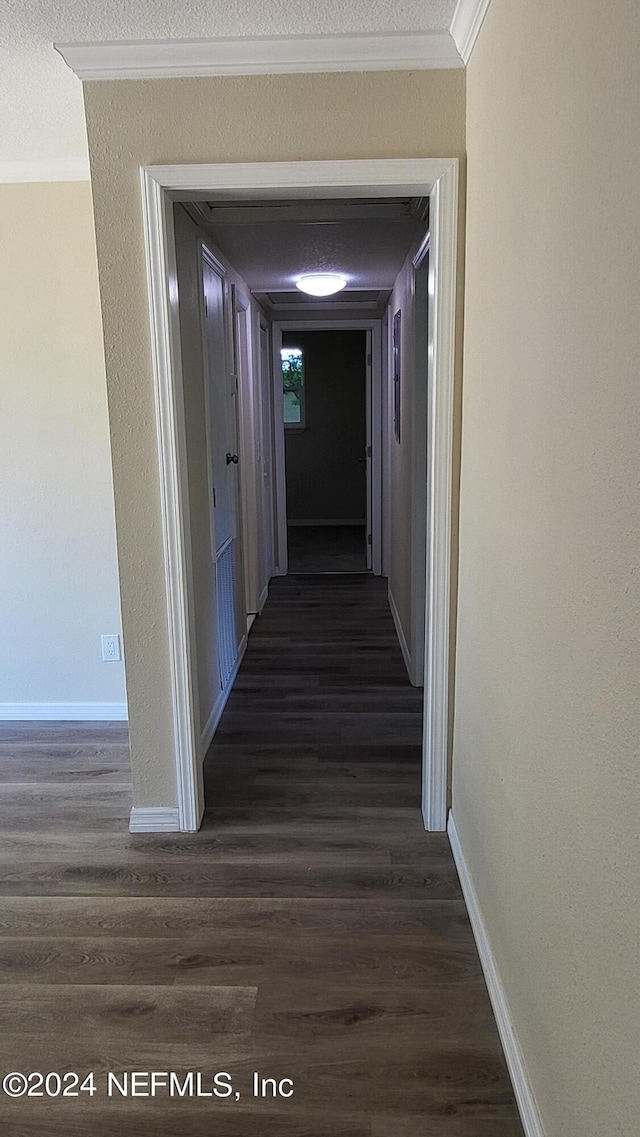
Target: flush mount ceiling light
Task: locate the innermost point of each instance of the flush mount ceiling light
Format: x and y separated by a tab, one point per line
321	283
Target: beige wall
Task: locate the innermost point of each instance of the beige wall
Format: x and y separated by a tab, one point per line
57	562
546	772
257	118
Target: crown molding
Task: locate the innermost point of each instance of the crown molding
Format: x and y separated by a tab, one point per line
45	170
465	25
257	55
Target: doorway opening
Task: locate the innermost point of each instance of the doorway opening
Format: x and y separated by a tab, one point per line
325	378
262	475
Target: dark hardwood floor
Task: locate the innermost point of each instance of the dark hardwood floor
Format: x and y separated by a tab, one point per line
310	931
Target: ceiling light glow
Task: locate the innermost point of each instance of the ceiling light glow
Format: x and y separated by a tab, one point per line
321	283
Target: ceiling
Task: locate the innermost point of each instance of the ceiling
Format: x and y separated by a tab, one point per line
272	243
41	111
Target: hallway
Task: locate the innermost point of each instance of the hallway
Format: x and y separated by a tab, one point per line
369	989
311	930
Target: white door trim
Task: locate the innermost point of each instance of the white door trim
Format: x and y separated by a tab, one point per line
421	381
436	178
346	324
281	541
174	502
441	353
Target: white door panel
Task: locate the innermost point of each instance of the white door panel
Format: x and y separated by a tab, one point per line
222	433
266	448
369	451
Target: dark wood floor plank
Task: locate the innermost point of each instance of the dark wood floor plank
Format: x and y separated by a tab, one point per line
62	733
124	1014
162	1119
189	877
79	916
238	959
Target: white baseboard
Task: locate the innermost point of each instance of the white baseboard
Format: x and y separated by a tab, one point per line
327	521
163	819
64	712
404	647
263	597
211	724
515	1060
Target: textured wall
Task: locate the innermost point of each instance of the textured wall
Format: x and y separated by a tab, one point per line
546	773
324	477
57	564
46	120
255	118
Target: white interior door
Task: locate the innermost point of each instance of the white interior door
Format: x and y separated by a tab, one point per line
222	391
369	451
266	449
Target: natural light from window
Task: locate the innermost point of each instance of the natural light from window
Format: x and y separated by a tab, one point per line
293	387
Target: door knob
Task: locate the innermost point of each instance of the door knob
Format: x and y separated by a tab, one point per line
232	458
363	459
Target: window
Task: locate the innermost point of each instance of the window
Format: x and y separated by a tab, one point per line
293	388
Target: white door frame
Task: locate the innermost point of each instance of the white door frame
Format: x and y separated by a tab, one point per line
436	178
267	463
419	457
377	438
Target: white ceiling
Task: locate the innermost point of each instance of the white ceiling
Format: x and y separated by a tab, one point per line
272	257
41	112
367	241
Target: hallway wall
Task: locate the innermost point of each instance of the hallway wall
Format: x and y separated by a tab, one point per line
232	119
188	238
325	480
406	568
58	572
400	460
545	775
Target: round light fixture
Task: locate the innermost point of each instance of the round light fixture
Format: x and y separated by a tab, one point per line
321	283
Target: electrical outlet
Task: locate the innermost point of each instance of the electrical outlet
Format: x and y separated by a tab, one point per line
110	648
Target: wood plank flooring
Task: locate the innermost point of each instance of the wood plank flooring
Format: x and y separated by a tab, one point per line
310	931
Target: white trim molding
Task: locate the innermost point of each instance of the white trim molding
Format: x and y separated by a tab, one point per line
160	819
45	170
170	425
260	55
529	1115
465	25
63	712
441	366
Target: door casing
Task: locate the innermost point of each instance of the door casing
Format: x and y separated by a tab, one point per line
436	178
